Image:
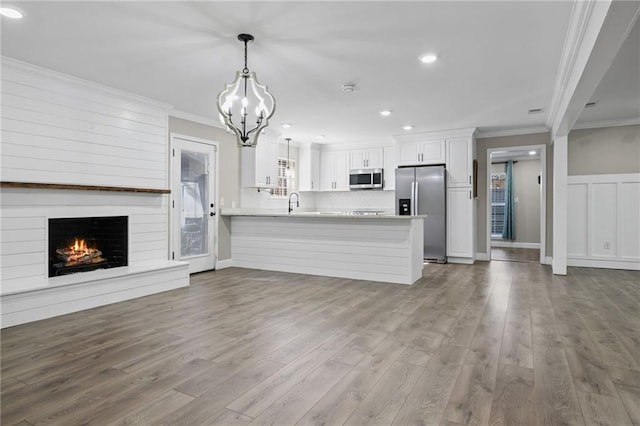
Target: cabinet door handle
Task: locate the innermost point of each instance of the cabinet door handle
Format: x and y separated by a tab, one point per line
469	179
469	194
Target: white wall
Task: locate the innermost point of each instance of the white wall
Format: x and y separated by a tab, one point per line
603	226
57	129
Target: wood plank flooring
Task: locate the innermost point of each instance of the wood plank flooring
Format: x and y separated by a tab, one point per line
496	343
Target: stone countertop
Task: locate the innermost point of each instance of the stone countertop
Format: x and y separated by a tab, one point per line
319	215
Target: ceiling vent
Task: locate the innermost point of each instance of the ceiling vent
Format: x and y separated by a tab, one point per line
590	104
535	110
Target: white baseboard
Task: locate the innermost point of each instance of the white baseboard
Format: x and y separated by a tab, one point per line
514	244
224	263
463	260
482	257
548	260
605	264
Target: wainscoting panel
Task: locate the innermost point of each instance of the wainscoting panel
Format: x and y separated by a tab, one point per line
603	226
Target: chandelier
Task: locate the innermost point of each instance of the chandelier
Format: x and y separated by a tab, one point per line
245	105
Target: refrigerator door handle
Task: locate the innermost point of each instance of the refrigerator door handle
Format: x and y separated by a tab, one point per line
415	204
413	200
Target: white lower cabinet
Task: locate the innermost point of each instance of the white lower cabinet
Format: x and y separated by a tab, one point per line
460	229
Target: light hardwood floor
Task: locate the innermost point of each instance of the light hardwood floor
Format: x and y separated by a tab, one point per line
496	343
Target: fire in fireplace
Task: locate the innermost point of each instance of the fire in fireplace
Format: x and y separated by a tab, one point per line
87	243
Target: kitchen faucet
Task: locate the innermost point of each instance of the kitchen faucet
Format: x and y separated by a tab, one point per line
297	201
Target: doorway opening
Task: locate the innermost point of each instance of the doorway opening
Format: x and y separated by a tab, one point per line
516	203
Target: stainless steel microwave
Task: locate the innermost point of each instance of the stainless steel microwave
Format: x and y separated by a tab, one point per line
366	179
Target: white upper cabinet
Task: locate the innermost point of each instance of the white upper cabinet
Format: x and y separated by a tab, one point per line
259	165
389	168
371	158
459	162
334	171
309	167
422	152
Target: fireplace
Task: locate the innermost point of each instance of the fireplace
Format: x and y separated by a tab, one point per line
87	243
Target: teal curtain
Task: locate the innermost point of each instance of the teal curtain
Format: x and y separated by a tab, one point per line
509	231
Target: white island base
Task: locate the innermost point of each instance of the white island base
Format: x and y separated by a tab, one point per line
373	248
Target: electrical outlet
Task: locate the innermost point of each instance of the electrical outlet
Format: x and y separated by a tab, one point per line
607	245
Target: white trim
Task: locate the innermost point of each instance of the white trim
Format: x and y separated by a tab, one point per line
489	133
606	264
461	260
224	263
46	72
515	244
543	196
548	260
597	31
443	134
560	196
623	177
577	28
196	118
607	123
482	257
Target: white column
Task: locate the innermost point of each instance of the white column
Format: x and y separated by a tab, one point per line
560	193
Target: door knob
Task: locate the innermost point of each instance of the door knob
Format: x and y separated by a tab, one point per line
212	214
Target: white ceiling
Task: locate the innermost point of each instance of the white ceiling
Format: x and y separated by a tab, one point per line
497	59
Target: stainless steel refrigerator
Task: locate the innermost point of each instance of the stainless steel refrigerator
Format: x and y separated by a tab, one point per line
421	190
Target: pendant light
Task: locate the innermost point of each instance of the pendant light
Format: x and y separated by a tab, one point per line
245	105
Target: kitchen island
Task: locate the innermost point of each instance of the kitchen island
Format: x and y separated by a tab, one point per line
383	248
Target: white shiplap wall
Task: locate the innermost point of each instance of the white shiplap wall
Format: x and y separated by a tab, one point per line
59	129
603	223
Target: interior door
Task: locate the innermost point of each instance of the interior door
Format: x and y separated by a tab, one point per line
193	205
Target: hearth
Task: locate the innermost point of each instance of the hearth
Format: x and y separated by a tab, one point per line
87	243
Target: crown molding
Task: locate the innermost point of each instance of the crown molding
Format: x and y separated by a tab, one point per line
454	133
196	118
597	30
607	123
31	69
483	134
578	23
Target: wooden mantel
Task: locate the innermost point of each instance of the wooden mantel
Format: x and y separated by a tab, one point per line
82	187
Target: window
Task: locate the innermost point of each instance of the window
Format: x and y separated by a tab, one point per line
286	184
497	204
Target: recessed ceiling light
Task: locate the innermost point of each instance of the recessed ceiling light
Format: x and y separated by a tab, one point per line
321	136
407	127
385	113
429	58
286	125
532	153
10	12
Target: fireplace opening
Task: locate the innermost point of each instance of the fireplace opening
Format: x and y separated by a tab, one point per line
87	243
